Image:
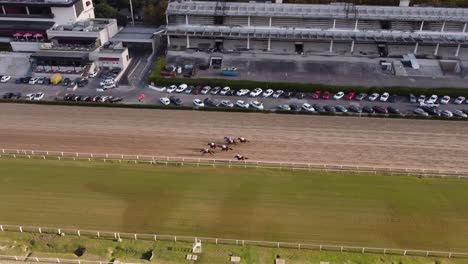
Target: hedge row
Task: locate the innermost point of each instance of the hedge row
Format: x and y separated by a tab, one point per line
297	87
220	109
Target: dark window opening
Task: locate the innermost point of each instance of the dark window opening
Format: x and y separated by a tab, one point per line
385	25
218	20
299	48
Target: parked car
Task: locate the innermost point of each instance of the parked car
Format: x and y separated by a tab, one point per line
459	100
211	102
242	104
242	92
446	113
459	113
318	108
350	96
379	109
171	89
284	107
267	93
38	96
431	110
384	97
189	90
83	82
445	99
225	90
40	80
465	111
432	99
33	80
227	103
198	103
116	100
300	96
5	78
317	94
373	97
354	109
181	88
257	105
295	107
326	95
256	92
175	100
215	90
67	82
30	96
188	70
169	70
278	93
329	108
421	98
419	111
341	109
25	80
232	92
8	96
197	89
93	74
205	90
412	98
393	110
360	97
338	95
163	100
368	109
288	95
307	107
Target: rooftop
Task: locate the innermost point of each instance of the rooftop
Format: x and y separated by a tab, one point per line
40	2
92	25
344	10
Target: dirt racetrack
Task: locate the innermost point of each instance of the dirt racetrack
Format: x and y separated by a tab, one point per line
274	137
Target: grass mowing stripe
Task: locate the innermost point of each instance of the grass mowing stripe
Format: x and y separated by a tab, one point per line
257	204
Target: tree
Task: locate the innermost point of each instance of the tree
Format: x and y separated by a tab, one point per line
104	10
155	14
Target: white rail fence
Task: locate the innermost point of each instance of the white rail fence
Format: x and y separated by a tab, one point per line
181	161
237	242
5	258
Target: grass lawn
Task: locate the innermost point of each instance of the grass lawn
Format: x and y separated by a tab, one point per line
259	204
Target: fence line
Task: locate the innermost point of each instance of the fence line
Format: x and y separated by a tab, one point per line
226	241
55	260
181	161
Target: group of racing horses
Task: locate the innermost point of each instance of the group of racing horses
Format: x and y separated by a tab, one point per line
228	141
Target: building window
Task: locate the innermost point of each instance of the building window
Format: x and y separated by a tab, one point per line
88	3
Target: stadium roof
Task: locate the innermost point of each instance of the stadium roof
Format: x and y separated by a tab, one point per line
317	34
339	11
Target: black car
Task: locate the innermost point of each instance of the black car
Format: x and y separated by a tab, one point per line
16	96
46	81
8	95
83	82
318	108
393	110
86	98
187	70
380	110
211	102
295	107
96	98
18	80
66	82
77	98
231	92
300	95
288	95
25	80
68	97
393	98
175	100
354	109
465	111
368	109
431	110
329	108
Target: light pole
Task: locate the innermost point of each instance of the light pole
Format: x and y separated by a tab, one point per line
131	13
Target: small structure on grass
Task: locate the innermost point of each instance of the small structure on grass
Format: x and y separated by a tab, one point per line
235	259
191	257
197	248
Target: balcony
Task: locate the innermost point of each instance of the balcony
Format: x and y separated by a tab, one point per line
49	16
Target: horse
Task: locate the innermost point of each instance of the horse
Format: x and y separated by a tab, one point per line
224	147
230	140
212	145
243	140
240	157
207	151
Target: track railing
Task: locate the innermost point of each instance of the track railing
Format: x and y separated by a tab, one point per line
224	241
181	161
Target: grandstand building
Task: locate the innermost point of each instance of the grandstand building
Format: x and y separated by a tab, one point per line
308	29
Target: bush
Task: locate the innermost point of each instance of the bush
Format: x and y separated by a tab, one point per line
296	87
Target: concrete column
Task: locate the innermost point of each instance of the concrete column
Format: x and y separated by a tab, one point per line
352	46
248	21
248	42
186	19
443	27
422	25
416	48
270	21
269	44
436	49
167	19
331	46
464	27
188	41
168	40
458	50
356	25
334	24
27	10
3	10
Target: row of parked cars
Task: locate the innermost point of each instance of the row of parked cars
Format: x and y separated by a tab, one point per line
434	100
434	111
88	98
17	96
79	82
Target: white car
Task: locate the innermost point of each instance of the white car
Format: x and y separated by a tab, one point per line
227	103
307	107
256	92
181	88
107	86
171	88
106	82
419	111
459	100
33	80
38	96
446	113
5	78
242	104
242	92
459	113
421	98
284	107
268	93
198	103
40	80
165	101
159	89
445	100
30	96
432	99
225	90
384	97
278	93
373	97
257	105
338	95
93	74
205	90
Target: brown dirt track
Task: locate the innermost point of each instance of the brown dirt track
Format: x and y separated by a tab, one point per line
316	139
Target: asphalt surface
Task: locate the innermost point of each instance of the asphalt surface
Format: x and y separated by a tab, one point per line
131	95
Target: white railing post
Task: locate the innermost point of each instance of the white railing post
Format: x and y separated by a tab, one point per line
21	229
1	227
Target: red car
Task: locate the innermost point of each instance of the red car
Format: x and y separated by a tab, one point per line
326	95
350	96
197	90
317	94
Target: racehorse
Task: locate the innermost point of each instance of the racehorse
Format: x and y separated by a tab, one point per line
230	140
212	145
207	151
240	157
224	147
243	140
